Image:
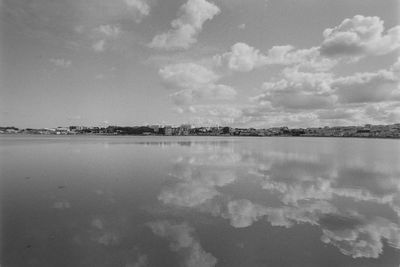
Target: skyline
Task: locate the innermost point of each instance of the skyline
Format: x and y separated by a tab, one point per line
239	63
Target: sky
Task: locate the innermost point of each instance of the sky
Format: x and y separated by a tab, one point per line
239	63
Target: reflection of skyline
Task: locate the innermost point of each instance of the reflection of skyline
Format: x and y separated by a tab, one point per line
187	143
319	188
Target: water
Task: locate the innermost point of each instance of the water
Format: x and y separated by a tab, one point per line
199	201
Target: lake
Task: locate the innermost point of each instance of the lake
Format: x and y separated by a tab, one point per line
199	201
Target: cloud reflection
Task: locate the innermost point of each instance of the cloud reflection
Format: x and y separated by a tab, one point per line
362	239
182	240
313	188
61	205
198	179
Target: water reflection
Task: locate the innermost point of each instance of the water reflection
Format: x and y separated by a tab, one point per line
181	240
311	188
148	201
198	177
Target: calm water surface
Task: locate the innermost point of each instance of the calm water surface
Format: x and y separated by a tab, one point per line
199	201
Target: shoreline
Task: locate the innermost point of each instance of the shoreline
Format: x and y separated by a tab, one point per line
180	136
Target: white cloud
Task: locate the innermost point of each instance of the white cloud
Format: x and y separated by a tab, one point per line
368	87
299	90
193	14
194	82
304	93
358	36
354	37
320	97
182	240
184	75
99	46
243	57
381	112
61	62
108	30
103	35
108	239
141	6
242	26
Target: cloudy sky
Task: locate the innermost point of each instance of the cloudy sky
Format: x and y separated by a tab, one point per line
230	62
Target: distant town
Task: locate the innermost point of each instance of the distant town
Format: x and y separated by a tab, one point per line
368	130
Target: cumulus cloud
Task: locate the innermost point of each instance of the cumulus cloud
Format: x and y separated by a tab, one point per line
305	91
323	96
103	35
299	90
141	6
108	18
358	36
193	14
244	58
61	62
381	112
184	75
242	26
181	238
99	46
194	82
112	31
108	239
368	87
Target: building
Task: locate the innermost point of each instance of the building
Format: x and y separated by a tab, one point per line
184	129
167	130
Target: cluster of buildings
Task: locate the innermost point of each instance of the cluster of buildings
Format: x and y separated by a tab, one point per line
368	130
